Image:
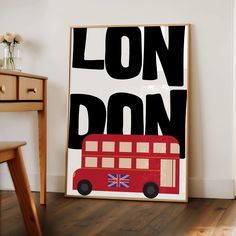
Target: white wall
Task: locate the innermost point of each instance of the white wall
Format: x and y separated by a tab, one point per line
45	27
234	102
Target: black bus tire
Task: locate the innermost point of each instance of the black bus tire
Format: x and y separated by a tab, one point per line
150	190
84	187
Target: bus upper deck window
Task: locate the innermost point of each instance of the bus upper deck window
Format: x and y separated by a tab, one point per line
174	148
142	163
142	147
91	146
91	162
108	146
108	162
125	163
125	147
159	147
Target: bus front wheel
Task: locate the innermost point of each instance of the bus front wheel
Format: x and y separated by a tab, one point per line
150	190
84	187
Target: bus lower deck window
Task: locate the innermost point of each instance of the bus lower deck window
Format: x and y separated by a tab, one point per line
108	162
142	163
91	162
125	163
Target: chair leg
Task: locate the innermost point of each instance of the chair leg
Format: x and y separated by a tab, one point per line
22	187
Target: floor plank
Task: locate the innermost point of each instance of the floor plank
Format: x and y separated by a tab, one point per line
90	217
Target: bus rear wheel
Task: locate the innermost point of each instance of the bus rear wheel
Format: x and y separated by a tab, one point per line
150	190
84	187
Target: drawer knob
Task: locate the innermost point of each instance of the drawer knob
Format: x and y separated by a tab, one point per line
32	90
2	89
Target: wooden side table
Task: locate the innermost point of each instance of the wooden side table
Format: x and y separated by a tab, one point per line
27	92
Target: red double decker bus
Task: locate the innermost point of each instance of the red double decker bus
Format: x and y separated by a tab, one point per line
129	163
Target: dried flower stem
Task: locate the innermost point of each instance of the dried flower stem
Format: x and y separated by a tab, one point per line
10	59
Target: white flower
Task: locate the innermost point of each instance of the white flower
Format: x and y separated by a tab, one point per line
9	37
18	38
1	38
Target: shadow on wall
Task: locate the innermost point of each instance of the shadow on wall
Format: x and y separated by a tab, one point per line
57	131
33	47
196	138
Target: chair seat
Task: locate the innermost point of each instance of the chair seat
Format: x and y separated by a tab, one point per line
4	146
7	150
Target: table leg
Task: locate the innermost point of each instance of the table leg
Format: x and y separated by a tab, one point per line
42	133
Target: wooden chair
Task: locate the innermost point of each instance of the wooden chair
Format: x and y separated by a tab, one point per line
10	152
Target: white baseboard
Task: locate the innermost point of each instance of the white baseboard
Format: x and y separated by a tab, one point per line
211	188
55	183
198	188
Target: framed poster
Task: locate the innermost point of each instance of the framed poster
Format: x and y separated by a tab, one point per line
128	112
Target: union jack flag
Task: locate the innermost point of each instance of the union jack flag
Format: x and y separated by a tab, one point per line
118	181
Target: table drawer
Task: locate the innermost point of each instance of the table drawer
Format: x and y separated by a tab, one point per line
7	87
30	89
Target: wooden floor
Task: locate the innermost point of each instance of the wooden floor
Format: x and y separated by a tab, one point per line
68	216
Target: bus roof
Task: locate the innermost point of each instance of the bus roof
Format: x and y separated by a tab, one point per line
131	138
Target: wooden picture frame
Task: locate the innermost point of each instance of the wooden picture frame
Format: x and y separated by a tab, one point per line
128	112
